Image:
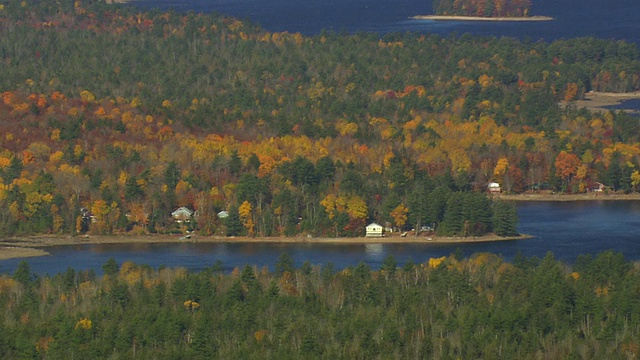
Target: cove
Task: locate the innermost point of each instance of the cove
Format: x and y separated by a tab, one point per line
566	229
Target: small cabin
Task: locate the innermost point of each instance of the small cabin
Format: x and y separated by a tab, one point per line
494	188
182	214
374	230
598	187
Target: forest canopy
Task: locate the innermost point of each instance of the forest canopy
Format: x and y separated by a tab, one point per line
479	307
113	117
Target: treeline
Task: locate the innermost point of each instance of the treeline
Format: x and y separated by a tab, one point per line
112	118
480	307
483	8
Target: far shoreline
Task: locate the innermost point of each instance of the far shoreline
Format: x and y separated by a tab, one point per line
550	197
603	102
480	18
32	246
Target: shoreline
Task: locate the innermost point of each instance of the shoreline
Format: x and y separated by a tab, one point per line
591	196
31	246
480	18
601	101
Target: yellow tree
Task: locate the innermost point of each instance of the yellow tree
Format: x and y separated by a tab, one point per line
106	215
138	215
356	207
329	204
501	168
581	174
100	209
635	180
399	215
246	215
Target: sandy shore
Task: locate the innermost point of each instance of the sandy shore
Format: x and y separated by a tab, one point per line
10	252
480	18
598	101
29	246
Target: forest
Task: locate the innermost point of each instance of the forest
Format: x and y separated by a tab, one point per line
480	307
483	8
113	117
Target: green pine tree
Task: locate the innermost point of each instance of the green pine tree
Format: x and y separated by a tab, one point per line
505	219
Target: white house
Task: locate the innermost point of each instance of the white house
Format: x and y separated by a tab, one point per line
223	214
494	188
374	230
182	214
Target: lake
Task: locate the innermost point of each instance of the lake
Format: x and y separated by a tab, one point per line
567	229
572	18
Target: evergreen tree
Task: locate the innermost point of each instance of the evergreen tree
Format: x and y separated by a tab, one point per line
419	208
110	267
325	168
437	204
285	264
235	163
133	190
12	171
253	163
505	219
477	214
233	222
453	222
389	266
625	178
614	172
172	175
23	273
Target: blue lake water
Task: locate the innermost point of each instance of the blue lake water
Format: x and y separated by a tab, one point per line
567	229
572	18
631	104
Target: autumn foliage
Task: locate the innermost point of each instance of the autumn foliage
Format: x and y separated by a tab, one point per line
112	118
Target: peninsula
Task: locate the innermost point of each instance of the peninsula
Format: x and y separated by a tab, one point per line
481	18
487	10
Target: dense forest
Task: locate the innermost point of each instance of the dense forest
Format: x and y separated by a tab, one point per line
483	8
446	308
112	117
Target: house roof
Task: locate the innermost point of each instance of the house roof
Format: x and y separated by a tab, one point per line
181	211
373	225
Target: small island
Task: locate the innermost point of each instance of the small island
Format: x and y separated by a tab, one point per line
482	10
